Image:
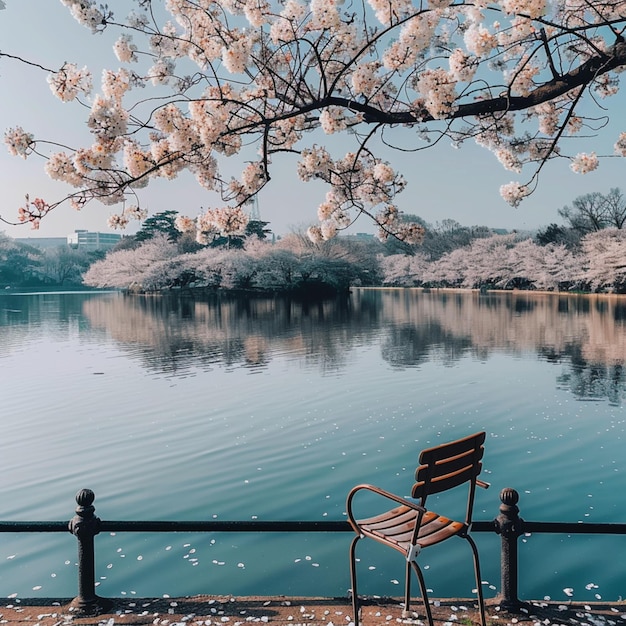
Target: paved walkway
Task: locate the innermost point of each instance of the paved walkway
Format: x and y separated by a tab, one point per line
286	611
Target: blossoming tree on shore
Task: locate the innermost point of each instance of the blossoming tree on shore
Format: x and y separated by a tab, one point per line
516	76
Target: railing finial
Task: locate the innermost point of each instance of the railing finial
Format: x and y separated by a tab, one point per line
85	498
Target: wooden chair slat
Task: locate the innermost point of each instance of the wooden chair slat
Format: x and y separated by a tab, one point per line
398	513
454	448
445	482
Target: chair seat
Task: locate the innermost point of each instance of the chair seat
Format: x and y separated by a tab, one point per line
395	528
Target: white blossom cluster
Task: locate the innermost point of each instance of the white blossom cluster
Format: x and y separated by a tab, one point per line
389	10
463	66
285	28
117	221
533	9
324	14
18	141
86	12
620	145
513	193
185	224
509	160
225	221
236	55
253	177
333	120
439	91
365	79
479	40
69	82
108	119
60	166
584	163
125	50
415	36
121	220
33	212
356	179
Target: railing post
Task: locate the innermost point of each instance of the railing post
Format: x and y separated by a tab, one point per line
509	525
85	526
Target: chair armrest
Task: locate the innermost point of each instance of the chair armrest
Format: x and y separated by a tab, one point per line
482	483
378	491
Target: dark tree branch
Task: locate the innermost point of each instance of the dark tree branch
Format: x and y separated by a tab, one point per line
578	77
25	61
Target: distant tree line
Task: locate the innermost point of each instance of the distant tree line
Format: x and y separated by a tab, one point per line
292	264
583	254
598	264
23	265
587	253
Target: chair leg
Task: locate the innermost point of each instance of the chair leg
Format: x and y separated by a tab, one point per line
407	589
420	578
479	582
355	597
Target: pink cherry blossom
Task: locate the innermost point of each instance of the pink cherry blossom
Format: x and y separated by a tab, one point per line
584	163
18	141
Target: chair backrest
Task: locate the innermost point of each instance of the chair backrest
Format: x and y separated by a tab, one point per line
450	465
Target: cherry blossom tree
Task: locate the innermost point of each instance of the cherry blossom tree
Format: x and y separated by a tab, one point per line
558	269
403	270
449	270
157	265
500	261
552	267
233	77
604	260
126	269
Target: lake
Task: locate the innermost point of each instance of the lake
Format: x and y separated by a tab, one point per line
175	408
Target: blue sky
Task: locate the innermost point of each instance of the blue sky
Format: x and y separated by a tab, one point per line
442	182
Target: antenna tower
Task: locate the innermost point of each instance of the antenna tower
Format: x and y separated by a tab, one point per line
255	214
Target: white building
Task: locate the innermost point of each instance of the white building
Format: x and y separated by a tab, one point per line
88	240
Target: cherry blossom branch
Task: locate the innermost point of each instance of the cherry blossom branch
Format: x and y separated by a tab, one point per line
25	61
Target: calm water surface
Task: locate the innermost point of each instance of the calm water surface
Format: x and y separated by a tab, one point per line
271	409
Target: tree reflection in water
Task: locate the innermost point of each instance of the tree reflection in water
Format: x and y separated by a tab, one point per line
584	333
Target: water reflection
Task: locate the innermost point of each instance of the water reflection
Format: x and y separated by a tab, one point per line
589	326
177	333
585	334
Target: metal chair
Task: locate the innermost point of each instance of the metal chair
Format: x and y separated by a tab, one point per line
409	526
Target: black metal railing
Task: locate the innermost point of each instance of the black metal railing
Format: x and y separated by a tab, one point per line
85	525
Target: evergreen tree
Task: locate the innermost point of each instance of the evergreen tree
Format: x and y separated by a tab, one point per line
163	222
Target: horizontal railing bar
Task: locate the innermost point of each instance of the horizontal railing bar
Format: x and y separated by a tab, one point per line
186	526
296	526
33	527
575	528
226	526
